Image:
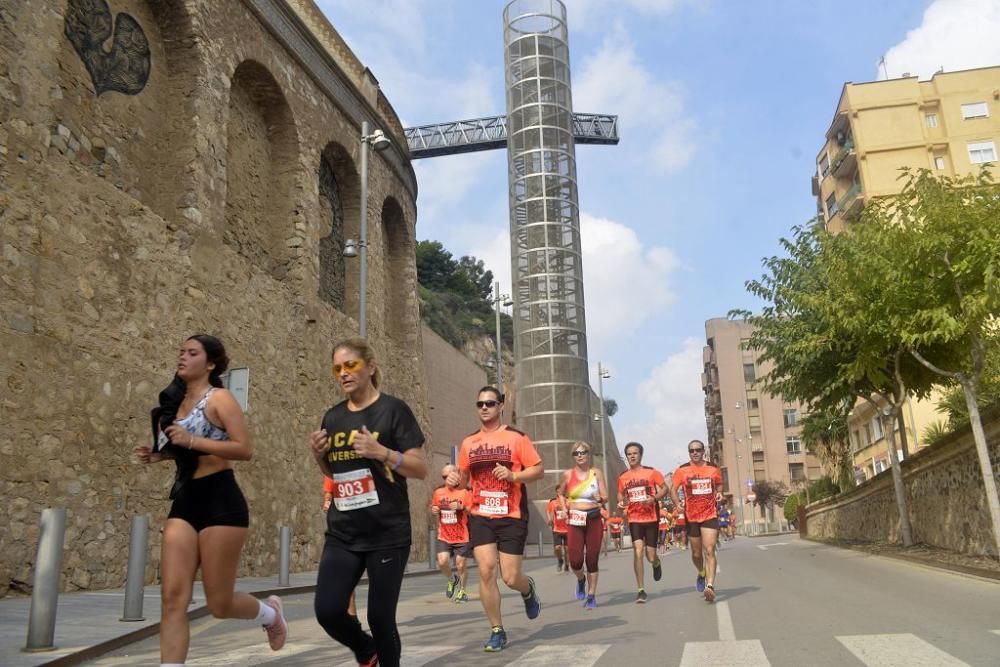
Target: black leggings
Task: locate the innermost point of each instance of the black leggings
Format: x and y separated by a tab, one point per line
589	536
339	573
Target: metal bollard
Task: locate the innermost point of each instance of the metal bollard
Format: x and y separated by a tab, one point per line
432	549
541	546
135	578
285	541
45	583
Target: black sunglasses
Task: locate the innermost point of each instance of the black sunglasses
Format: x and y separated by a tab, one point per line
696	450
580	452
487	404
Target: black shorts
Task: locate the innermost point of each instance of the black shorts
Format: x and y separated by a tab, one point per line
213	500
694	527
558	539
646	531
616	535
510	535
461	549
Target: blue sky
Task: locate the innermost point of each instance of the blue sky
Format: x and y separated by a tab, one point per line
723	106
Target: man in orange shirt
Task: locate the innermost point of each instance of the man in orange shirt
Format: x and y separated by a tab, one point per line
665	517
640	489
450	505
498	460
616	522
557	521
700	481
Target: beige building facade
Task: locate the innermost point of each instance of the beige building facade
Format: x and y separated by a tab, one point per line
752	436
198	172
949	124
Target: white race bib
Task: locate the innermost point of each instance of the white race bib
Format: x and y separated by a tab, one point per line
577	518
449	517
637	494
701	487
493	503
354	490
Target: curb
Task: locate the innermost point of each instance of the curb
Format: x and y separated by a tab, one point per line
961	570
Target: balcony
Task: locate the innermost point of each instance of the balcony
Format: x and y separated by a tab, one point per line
845	162
852	202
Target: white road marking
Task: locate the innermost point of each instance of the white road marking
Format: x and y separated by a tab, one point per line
996	632
746	653
726	631
764	547
258	654
898	650
414	655
577	655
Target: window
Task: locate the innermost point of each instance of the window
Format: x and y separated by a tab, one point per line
938	162
793	445
749	374
856	439
877	428
753	404
831	205
791	417
824	165
975	110
797	472
868	434
981	152
931	120
758	457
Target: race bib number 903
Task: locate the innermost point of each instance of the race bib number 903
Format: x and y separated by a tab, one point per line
354	490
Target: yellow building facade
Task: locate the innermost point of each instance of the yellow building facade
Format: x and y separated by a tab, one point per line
949	124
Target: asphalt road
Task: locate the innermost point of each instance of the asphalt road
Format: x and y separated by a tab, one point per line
781	602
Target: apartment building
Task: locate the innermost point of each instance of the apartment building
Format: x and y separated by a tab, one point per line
752	435
949	124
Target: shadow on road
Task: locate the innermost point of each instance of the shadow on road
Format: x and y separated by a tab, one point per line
576	626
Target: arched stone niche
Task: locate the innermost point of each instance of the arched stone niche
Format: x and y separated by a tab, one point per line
339	220
261	155
397	261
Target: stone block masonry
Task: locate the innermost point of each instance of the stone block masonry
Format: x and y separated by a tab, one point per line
944	489
166	183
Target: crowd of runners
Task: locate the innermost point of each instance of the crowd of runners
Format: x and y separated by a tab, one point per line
366	448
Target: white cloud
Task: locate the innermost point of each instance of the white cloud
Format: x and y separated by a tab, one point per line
614	80
954	34
673	403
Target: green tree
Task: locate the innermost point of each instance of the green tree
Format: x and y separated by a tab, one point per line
477	273
435	265
792	509
824	434
946	280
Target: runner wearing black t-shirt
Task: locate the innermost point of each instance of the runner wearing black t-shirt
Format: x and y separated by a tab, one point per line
368	445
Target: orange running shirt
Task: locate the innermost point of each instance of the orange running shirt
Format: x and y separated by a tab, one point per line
635	485
700	484
664	519
616	523
481	452
559	517
453	525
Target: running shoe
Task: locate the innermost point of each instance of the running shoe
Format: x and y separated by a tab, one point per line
461	596
709	593
277	632
581	589
532	603
591	602
370	662
452	584
497	642
657	570
641	597
699	583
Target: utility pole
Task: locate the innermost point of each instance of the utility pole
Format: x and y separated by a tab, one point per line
496	307
601	374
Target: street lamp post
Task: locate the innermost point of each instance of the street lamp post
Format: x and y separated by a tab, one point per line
359	248
499	299
602	374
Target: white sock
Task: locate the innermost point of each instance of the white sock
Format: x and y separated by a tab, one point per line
266	614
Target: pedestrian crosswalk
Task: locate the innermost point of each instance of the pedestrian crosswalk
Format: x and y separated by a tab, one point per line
877	650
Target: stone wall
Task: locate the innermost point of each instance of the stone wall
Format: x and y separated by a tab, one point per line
175	187
944	488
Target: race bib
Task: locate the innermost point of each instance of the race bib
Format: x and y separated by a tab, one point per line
560	515
577	518
701	487
354	490
449	517
637	494
493	503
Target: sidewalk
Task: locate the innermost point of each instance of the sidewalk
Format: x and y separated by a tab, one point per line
88	625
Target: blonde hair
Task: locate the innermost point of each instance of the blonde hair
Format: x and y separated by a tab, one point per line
579	443
364	350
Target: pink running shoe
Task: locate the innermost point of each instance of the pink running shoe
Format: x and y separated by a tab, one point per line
277	632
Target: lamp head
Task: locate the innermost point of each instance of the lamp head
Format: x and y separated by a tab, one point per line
378	140
350	248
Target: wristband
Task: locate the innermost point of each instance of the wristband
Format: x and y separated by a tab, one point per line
399	461
513	476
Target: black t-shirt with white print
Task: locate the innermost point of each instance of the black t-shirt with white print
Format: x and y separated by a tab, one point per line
370	508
